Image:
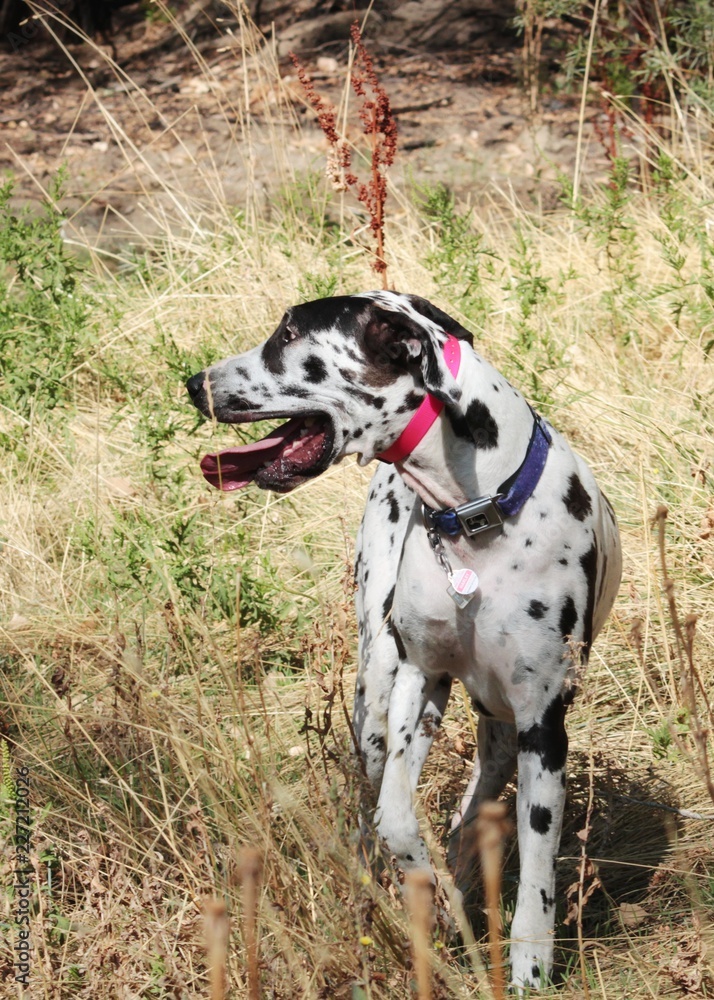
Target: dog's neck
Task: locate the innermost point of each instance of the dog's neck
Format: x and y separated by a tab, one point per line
473	446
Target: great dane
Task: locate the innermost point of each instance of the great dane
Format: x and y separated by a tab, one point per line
486	554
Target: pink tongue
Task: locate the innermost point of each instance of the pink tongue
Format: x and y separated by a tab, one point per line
234	468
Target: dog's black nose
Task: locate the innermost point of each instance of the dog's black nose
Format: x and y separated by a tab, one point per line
195	384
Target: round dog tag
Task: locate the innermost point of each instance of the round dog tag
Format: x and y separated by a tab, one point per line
463	584
464	581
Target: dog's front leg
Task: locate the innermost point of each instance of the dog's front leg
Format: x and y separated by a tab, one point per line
416	707
542	751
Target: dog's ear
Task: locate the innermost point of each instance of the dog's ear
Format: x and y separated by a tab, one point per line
401	338
442	319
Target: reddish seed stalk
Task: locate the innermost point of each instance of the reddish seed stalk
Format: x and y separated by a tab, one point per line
378	123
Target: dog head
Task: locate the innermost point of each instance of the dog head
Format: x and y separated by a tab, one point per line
347	371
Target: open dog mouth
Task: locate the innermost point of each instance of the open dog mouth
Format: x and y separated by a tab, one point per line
297	450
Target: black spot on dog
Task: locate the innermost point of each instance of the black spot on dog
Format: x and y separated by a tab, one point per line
541	818
357	433
408	739
568	617
484	428
377	741
297	390
535	972
393	507
529	542
412	401
366	397
399	753
387	610
577	500
315	369
536	609
361	691
495	387
548	901
588	563
458	424
401	651
563	562
547	738
272	354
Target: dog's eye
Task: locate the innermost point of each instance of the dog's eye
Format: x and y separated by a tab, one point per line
289	335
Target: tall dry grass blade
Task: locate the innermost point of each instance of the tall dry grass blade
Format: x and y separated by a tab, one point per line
216	929
577	170
250	867
583	834
419	899
691	683
492	827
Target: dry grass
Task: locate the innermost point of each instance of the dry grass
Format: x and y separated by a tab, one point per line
164	738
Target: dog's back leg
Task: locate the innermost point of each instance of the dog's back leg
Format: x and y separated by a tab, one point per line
494	766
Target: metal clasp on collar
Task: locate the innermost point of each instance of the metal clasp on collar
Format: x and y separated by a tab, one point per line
479	515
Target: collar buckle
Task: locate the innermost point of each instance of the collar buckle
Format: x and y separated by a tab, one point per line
479	515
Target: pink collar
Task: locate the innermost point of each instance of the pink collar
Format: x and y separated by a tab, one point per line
427	413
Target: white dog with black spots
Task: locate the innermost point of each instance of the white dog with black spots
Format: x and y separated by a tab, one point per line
487	554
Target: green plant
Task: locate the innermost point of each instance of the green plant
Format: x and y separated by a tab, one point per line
45	329
459	260
607	220
535	352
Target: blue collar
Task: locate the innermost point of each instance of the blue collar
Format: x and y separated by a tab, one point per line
488	512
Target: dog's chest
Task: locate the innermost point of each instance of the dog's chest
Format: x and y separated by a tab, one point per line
484	643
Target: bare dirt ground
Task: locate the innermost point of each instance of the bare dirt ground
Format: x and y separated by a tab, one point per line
453	81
